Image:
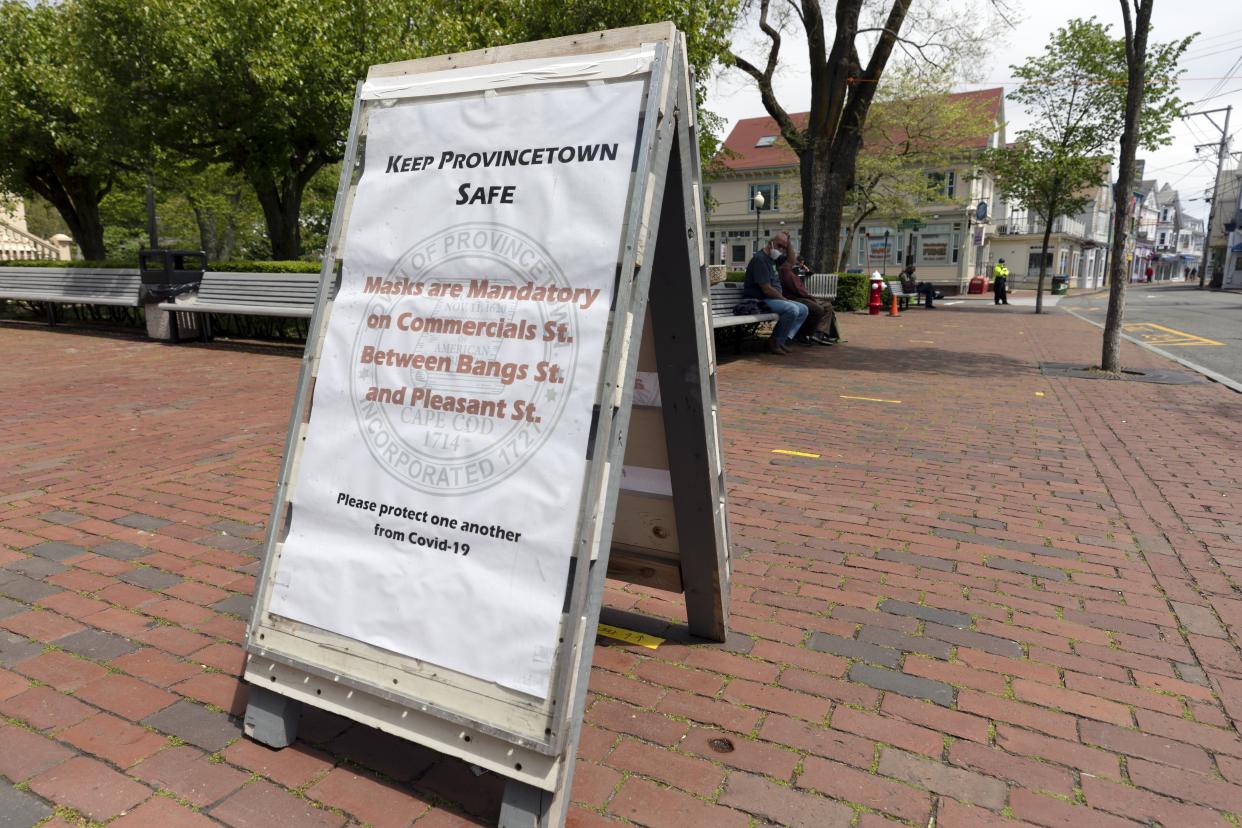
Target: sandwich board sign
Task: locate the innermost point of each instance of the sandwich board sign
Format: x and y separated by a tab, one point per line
508	394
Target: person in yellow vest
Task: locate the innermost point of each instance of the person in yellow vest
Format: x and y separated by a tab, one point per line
1000	279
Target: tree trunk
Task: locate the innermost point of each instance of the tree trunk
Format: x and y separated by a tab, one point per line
90	233
77	199
1136	64
827	172
281	200
850	233
1043	268
205	220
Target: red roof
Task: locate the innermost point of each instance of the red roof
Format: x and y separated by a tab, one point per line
742	154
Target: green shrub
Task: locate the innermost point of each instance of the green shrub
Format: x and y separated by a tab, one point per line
242	266
736	276
852	291
131	264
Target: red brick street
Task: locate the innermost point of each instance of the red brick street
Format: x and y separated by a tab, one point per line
992	598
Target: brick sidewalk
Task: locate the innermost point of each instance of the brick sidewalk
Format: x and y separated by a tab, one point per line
1004	600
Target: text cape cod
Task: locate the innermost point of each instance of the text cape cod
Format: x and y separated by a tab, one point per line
469	194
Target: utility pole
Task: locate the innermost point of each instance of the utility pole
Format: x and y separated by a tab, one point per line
1222	150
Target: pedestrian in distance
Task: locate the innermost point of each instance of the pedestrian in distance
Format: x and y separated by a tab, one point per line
1000	283
763	283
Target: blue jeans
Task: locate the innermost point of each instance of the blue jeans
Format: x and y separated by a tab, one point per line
792	315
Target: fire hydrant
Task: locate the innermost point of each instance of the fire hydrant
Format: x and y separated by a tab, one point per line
877	290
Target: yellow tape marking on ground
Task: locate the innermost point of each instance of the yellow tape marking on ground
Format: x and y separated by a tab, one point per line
795	453
1039	393
629	636
1147	331
870	399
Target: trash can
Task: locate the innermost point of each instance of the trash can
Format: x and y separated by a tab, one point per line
166	274
1060	285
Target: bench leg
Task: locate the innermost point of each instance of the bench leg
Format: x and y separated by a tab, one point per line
51	314
205	326
174	329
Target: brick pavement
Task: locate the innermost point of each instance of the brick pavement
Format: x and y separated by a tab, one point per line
1005	600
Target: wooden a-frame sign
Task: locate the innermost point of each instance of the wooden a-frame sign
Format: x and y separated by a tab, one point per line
651	508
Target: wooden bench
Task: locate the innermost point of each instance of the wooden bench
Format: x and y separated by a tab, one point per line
71	286
285	295
724	297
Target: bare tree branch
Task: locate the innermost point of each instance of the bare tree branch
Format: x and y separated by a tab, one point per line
764	81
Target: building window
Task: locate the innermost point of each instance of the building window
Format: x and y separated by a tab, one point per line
1164	237
942	183
935	242
1032	264
770	193
766	141
957	245
739	253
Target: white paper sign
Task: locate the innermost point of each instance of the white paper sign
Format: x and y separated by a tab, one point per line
437	498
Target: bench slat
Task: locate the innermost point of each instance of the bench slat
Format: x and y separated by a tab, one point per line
286	295
244	310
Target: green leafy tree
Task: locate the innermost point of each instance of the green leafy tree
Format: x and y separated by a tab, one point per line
915	128
55	132
265	87
1075	93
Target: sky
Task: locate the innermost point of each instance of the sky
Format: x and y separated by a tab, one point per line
1213	65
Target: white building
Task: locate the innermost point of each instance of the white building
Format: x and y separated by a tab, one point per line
1227	233
1178	248
17	243
945	242
1077	248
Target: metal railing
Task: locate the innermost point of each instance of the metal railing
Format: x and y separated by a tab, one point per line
1073	227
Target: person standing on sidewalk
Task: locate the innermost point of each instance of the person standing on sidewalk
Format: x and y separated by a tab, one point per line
1000	281
763	282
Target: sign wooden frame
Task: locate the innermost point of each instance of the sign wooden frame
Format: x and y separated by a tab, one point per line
671	527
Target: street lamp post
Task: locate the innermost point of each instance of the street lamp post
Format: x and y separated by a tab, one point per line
759	201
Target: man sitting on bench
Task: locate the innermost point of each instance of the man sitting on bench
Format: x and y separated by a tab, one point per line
763	282
820	327
913	287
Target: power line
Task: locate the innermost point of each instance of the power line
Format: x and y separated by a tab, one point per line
1199	41
1190	172
1231	72
1200	56
1220	94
